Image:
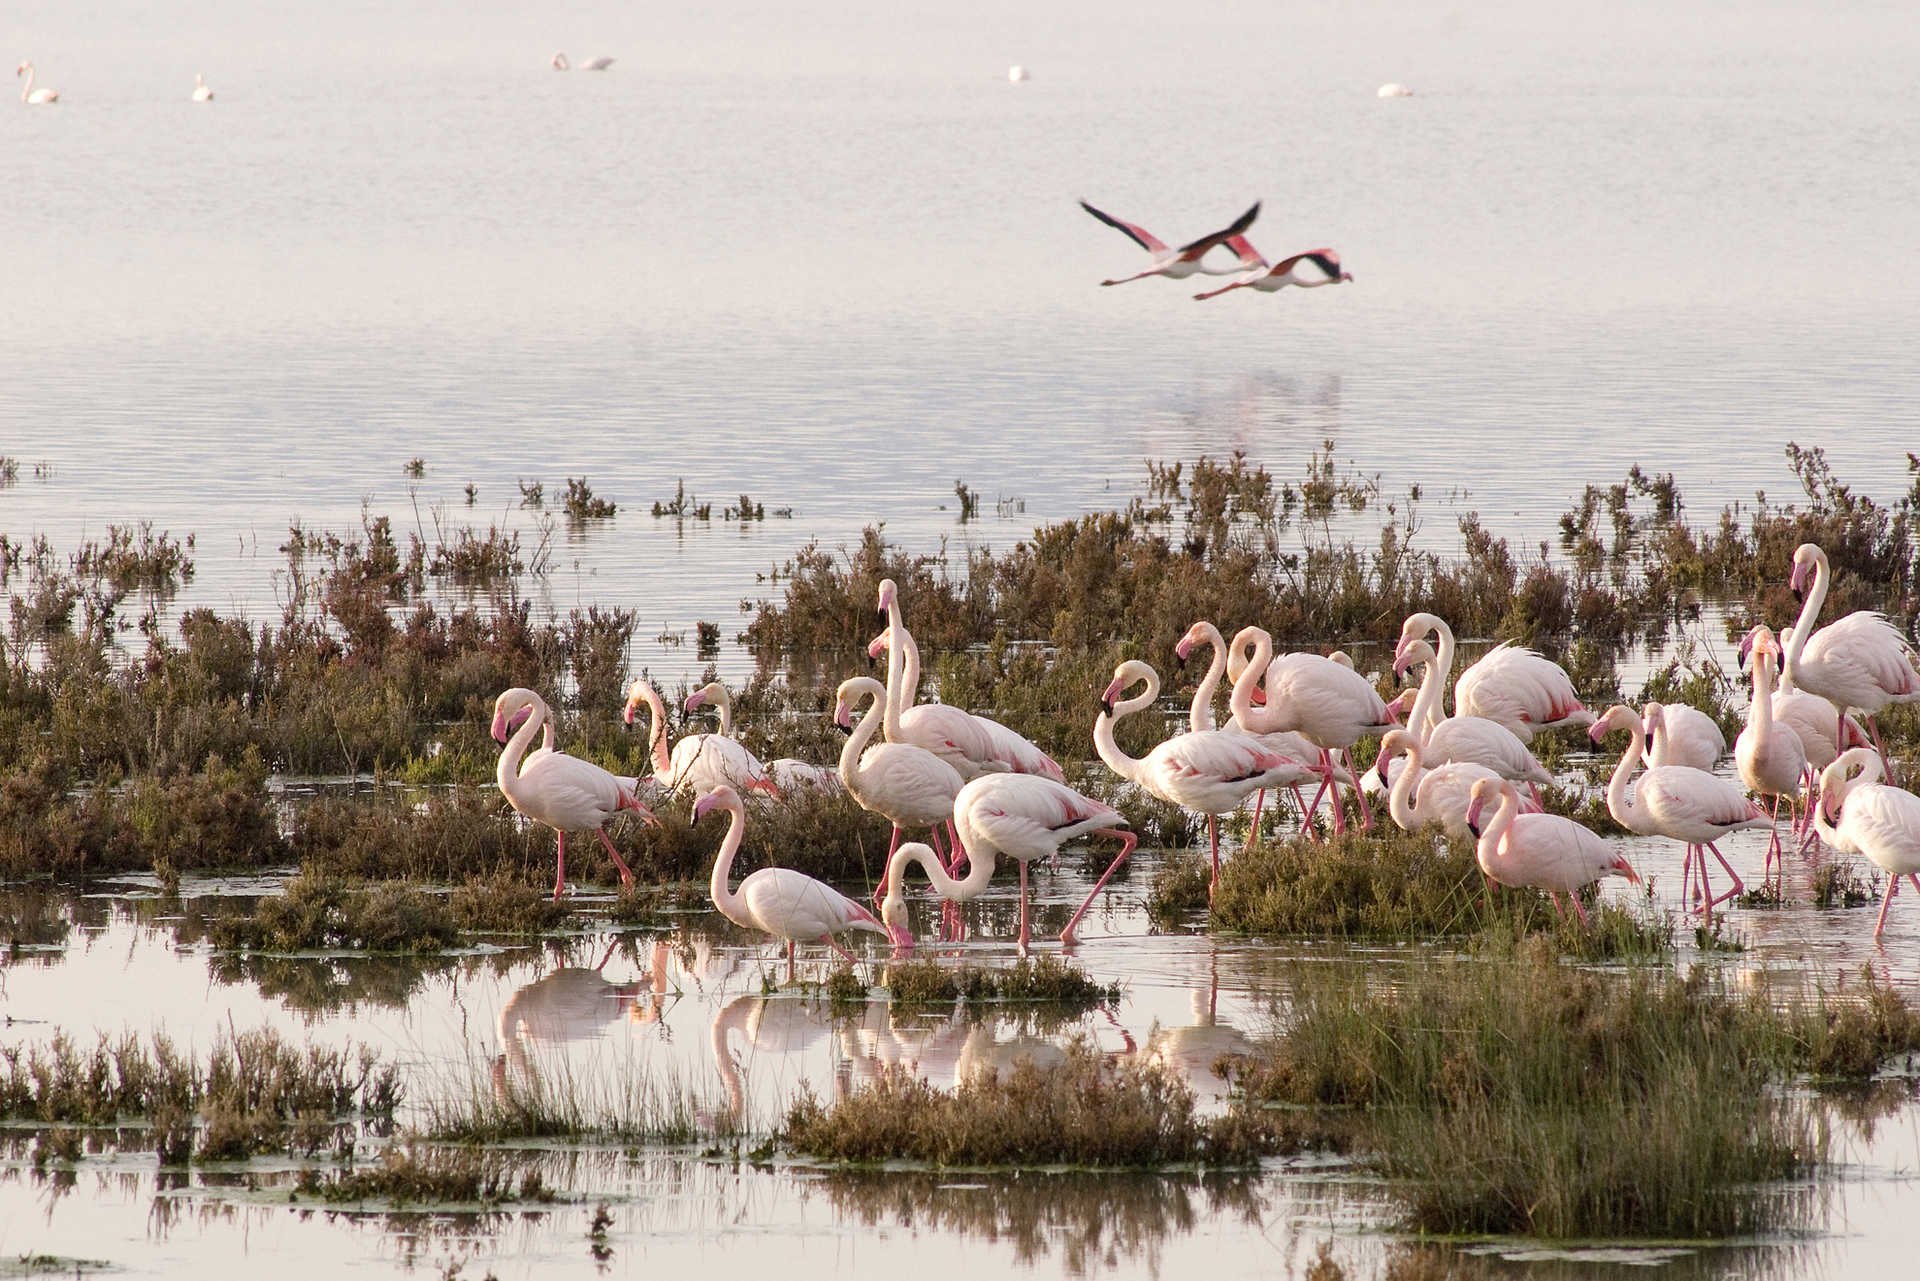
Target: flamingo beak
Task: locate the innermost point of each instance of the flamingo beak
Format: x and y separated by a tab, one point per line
694	700
1181	650
1600	728
499	730
1797	579
704	804
878	645
1259	697
1625	869
843	717
627	713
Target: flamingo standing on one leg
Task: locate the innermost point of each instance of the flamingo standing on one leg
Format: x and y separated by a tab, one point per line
561	791
1768	754
1878	821
1257	273
1176	264
1857	662
1211	772
31	96
778	900
1540	851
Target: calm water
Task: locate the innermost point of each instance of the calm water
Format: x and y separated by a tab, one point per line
832	259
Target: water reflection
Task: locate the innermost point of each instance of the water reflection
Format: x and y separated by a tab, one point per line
575	1003
1190	1052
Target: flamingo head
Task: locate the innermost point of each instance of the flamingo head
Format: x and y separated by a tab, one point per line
1486	791
1806	557
851	691
889	596
880	644
1395	742
1417	628
1619	716
721	796
510	710
1653	718
1624	868
712	692
1200	633
23	69
1128	673
637	693
1408	653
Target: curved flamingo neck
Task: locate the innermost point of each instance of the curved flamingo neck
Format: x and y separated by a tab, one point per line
1105	744
980	864
1241	701
1619	804
1487	850
731	905
1201	717
1400	805
506	773
861	735
1427	714
1809	611
722	701
656	730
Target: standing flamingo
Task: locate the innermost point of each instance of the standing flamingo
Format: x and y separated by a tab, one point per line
200	91
1424	794
1257	273
1540	851
699	762
1472	739
560	63
778	900
1688	736
1516	687
1176	264
906	785
561	791
1768	753
1857	662
31	96
1811	717
1876	820
1676	801
1288	743
1211	772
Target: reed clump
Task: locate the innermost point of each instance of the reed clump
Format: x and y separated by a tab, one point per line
1179	892
1388	884
421	1174
1042	980
318	912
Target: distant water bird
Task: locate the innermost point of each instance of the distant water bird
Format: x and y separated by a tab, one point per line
1176	264
1859	662
1540	851
1394	89
1880	822
200	91
560	63
28	94
1016	73
560	791
1257	273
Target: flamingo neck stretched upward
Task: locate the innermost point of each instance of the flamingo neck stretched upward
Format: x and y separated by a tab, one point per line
1110	713
732	906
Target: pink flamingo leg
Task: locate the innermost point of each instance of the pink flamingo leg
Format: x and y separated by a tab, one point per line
1024	936
1578	907
1331	786
1259	800
1127	841
956	845
1535	789
829	940
1886	901
560	869
789	960
1213	835
1738	887
881	893
626	873
1366	812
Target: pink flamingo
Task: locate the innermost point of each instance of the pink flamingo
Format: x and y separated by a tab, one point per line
563	792
1878	821
1513	686
1540	851
778	900
1768	753
1424	794
1288	743
1688	736
31	96
1813	719
1175	264
1330	703
907	785
1676	801
1211	772
1257	273
699	762
1857	662
1472	739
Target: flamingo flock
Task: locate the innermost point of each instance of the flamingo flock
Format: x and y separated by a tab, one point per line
973	792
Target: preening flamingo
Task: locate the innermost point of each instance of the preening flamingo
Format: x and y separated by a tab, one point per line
200	91
1768	753
1878	821
907	785
778	900
563	792
1688	736
1540	851
1423	794
973	745
28	94
699	762
1676	801
1443	738
1257	273
1331	704
1288	743
1176	264
788	772
1211	772
1859	662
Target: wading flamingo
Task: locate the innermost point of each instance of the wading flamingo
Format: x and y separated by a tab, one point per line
1211	772
1424	794
907	785
699	762
1688	736
1257	273
1878	821
1471	739
200	91
1540	851
31	96
1768	753
1859	662
787	773
1676	801
1176	264
563	792
1288	743
779	901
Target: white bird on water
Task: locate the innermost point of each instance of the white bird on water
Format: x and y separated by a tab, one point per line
200	91
560	63
28	94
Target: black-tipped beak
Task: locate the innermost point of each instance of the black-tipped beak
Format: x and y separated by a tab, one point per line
1106	705
844	729
883	616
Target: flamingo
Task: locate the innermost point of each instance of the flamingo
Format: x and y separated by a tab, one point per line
1446	738
563	792
1514	687
1859	662
1676	801
1176	264
699	762
1394	89
1016	73
1331	704
907	785
973	745
200	91
1540	851
1424	794
1211	772
778	900
1257	273
1768	753
1688	736
787	773
1288	743
31	96
560	63
1027	817
1878	821
1812	718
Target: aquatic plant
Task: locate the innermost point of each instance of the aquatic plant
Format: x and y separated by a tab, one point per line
1045	980
1179	892
582	504
425	1174
318	912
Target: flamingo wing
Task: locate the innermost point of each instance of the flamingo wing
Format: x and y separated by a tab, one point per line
1868	653
1488	743
1197	249
1884	824
1250	258
1139	235
1027	816
793	905
568	793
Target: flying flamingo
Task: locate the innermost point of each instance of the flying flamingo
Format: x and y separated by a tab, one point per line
699	762
560	63
1424	794
1876	820
1211	772
1257	273
1676	801
907	785
200	91
1768	753
1176	264
1688	736
1288	743
31	96
1857	662
973	745
561	791
788	773
1446	738
1540	851
778	900
1328	702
